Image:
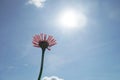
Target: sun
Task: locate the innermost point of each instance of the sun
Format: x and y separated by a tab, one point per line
71	19
68	18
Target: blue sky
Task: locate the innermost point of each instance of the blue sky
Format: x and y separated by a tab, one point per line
90	53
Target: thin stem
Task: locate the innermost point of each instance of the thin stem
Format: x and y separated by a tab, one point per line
42	62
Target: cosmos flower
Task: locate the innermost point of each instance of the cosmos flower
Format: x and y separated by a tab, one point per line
43	41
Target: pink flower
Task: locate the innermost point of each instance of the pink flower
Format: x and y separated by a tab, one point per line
43	41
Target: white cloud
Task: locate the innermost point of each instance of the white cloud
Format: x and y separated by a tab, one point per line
52	78
37	3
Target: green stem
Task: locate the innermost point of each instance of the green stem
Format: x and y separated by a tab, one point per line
42	62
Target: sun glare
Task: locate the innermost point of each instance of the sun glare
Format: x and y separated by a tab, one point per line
71	19
68	18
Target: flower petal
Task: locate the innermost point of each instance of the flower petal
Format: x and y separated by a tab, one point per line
41	35
45	36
